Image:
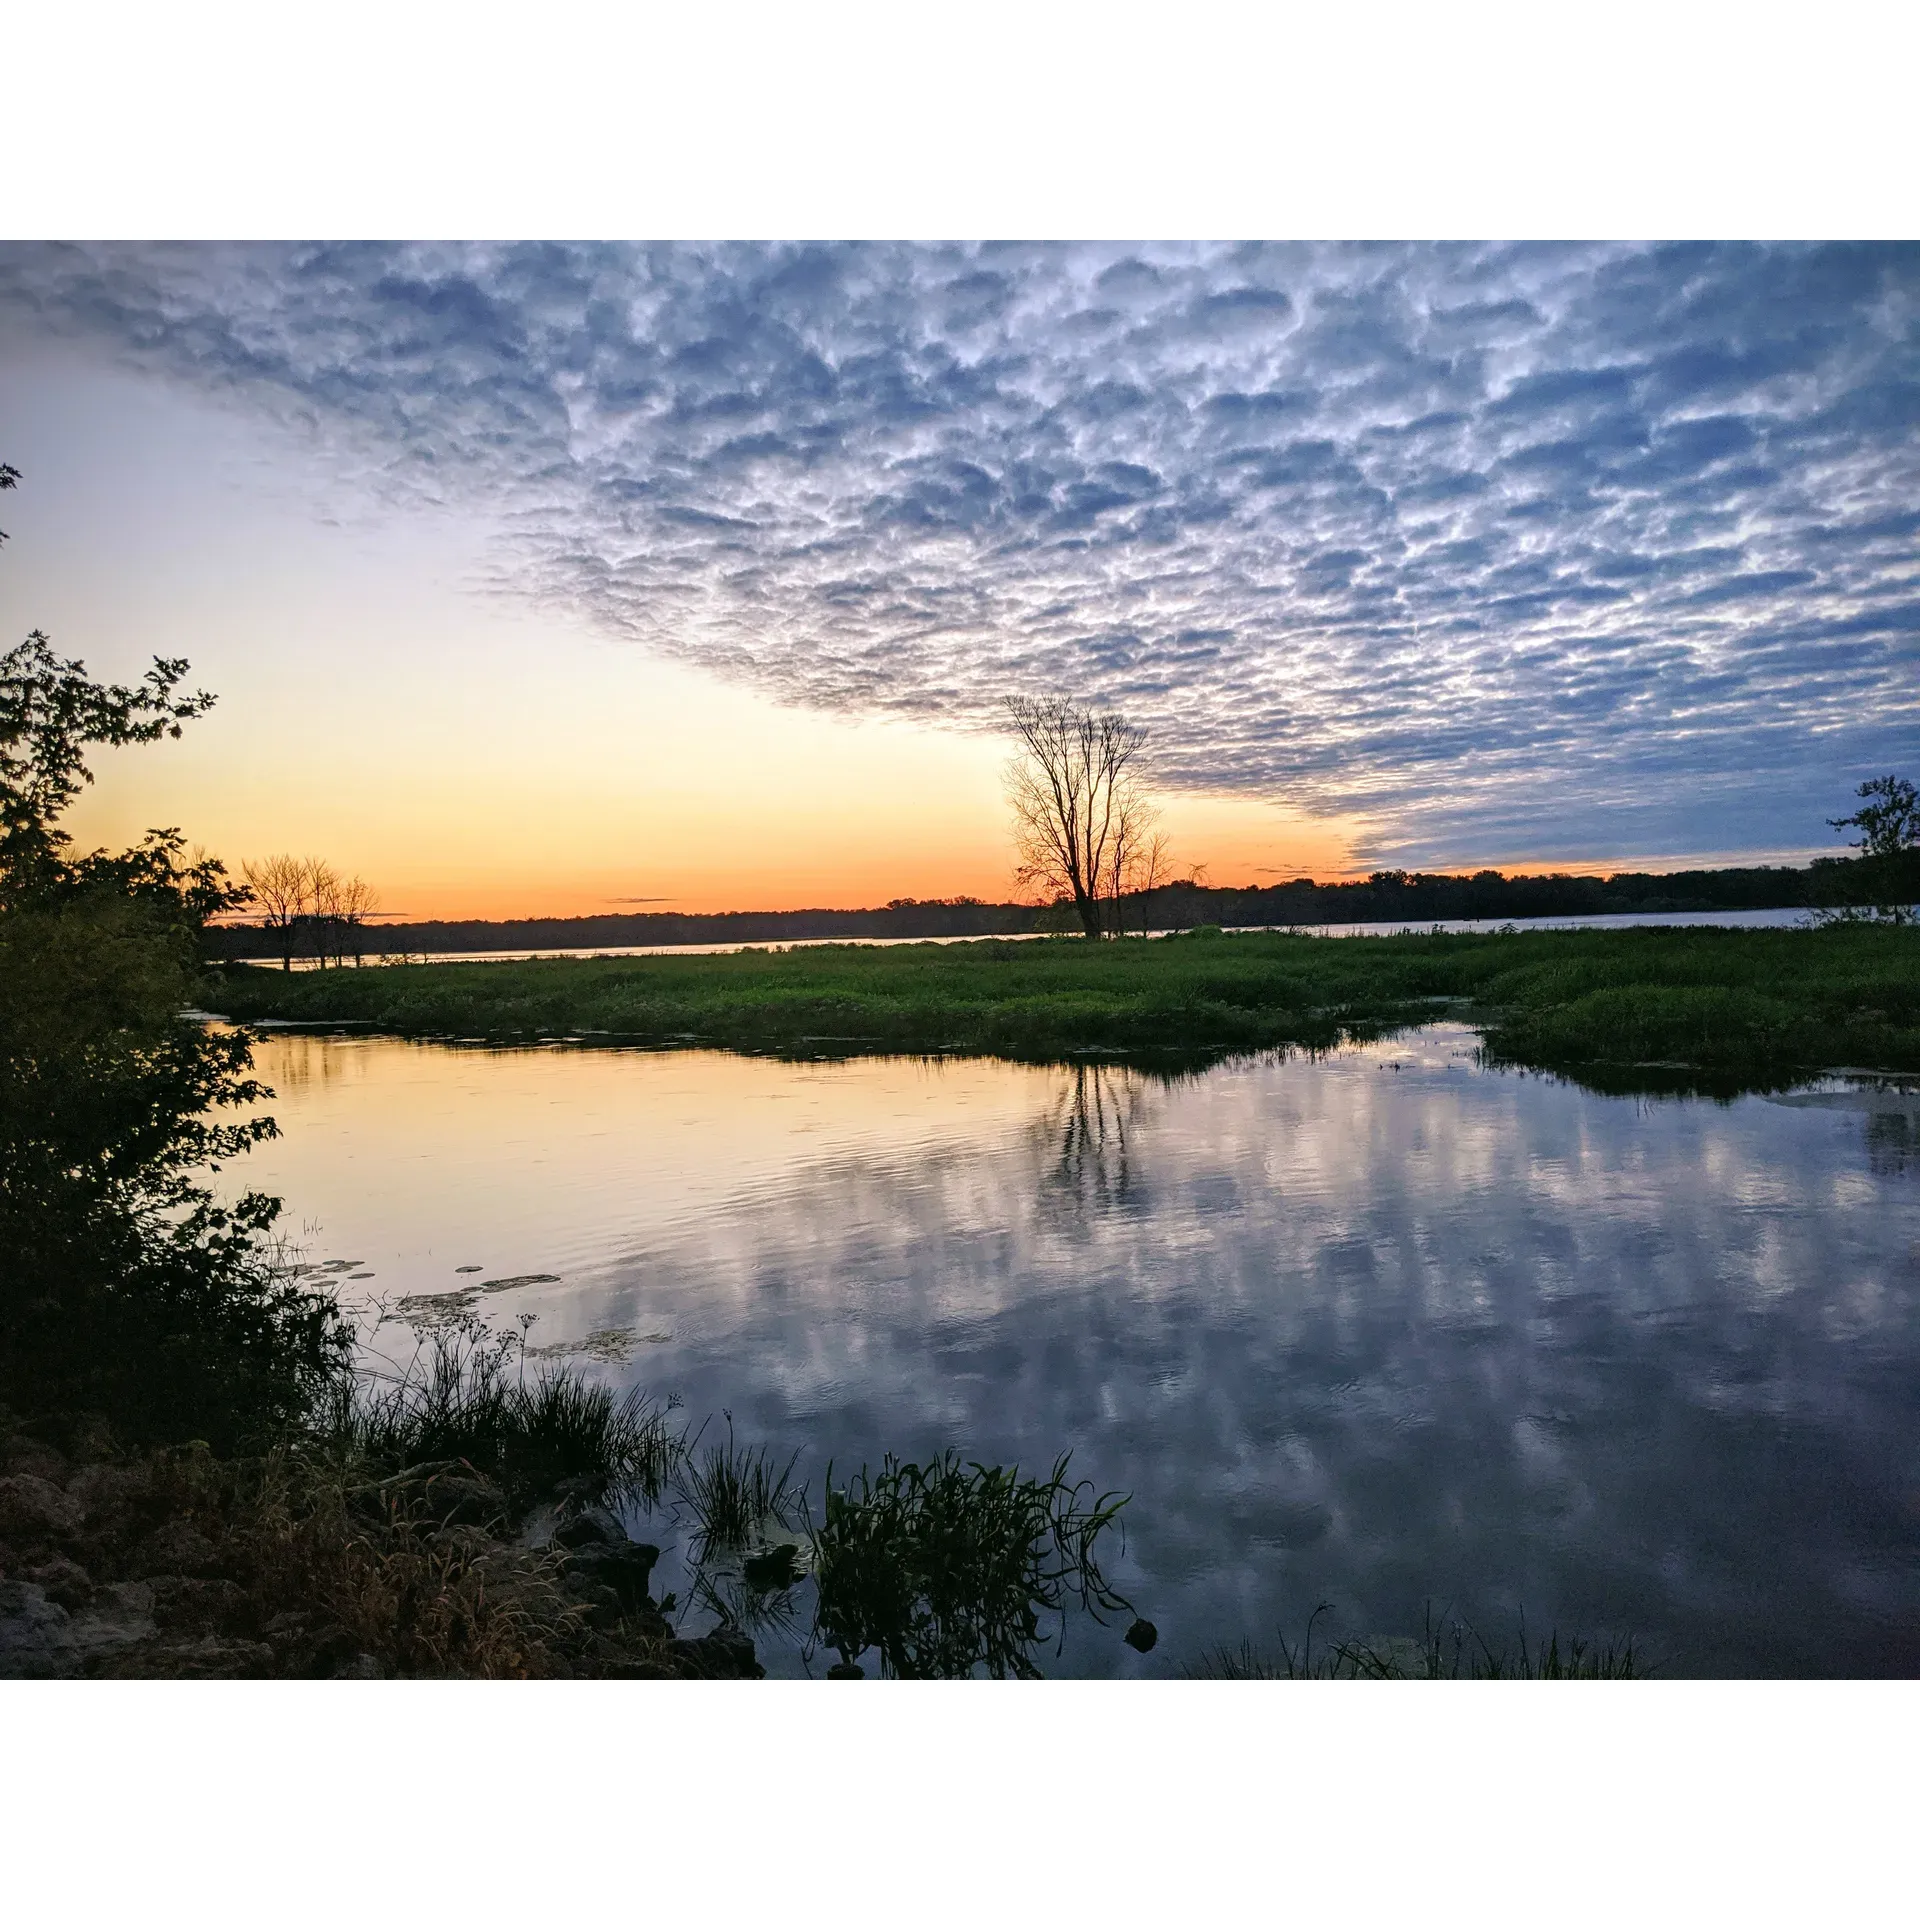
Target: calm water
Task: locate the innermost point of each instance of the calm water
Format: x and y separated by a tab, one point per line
1379	1329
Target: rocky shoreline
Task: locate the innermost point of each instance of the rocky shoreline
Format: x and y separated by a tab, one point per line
177	1566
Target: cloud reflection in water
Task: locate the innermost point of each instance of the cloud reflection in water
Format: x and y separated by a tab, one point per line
1377	1329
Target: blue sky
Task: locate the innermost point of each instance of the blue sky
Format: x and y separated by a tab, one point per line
1529	553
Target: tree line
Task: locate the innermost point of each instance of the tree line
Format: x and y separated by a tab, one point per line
1171	906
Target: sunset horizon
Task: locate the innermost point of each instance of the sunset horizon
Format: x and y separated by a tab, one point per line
533	580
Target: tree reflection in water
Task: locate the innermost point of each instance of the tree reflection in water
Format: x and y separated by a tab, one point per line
1091	1169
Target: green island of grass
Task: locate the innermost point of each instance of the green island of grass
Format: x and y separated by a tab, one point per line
1631	1006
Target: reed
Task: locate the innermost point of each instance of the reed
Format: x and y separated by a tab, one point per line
1446	1649
946	1568
466	1397
734	1493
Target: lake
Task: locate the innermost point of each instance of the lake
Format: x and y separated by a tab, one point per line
1382	1329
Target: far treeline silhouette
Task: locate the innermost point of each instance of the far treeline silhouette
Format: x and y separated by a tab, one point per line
1385	896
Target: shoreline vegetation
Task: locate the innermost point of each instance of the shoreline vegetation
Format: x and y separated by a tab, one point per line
1625	1009
469	1519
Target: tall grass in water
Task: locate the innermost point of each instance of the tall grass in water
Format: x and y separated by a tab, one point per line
946	1568
735	1492
465	1397
1446	1650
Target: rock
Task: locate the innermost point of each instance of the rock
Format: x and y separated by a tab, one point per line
328	1654
724	1654
625	1568
210	1658
33	1508
66	1585
609	1659
468	1499
184	1604
602	1602
776	1568
121	1615
36	1635
305	1650
846	1670
21	1455
102	1490
177	1547
591	1527
1143	1636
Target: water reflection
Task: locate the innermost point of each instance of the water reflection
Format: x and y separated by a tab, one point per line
1376	1329
1092	1111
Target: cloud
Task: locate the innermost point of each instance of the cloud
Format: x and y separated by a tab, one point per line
1528	551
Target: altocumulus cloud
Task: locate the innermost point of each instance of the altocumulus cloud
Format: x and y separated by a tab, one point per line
1516	551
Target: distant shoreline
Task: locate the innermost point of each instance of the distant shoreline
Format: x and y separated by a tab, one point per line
1385	897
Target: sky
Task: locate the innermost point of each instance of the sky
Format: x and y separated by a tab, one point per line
545	578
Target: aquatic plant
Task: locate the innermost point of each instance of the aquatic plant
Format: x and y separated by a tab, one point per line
734	1493
465	1396
946	1568
1446	1650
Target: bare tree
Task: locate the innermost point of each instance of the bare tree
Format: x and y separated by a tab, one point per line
323	893
355	903
1082	820
282	883
1152	867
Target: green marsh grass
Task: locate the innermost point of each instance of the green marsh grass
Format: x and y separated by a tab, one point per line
1625	1006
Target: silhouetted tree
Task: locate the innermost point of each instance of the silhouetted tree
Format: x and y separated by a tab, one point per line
50	713
1082	821
1889	822
323	912
338	908
282	884
1884	883
354	904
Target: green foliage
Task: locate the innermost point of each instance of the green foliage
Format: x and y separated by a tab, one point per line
125	1290
105	1092
1888	818
50	713
465	1396
944	1569
1736	1007
735	1493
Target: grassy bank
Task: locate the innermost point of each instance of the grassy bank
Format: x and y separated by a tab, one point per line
1734	1005
471	1517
